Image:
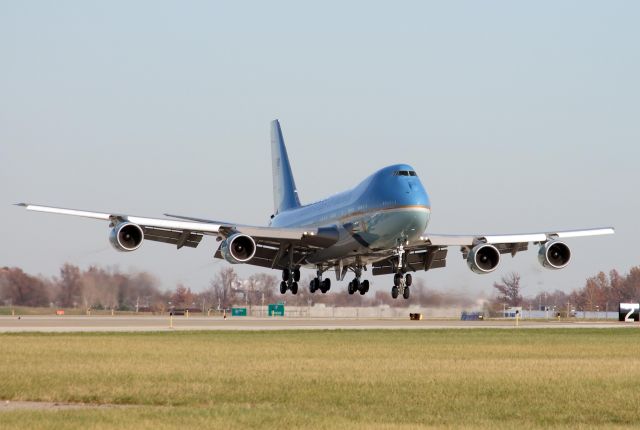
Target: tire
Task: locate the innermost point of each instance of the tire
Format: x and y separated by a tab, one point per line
350	288
364	286
406	293
294	288
362	291
356	285
326	285
408	279
285	275
396	279
312	286
296	275
283	287
394	292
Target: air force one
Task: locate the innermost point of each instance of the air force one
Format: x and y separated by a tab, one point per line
380	224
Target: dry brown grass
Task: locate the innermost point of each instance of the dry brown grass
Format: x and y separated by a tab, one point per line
346	379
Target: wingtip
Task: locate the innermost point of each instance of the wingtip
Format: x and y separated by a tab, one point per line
24	205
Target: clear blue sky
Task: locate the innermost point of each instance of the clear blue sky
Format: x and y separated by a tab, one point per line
517	116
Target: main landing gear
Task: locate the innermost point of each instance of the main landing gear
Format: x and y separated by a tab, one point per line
401	283
357	285
290	280
318	283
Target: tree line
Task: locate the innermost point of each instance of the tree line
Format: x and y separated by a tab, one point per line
602	292
109	288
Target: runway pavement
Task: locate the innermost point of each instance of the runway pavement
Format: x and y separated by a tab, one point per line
10	324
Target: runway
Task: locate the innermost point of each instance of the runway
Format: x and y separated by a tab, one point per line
62	324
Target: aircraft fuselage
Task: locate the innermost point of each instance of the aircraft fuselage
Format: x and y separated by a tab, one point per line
386	209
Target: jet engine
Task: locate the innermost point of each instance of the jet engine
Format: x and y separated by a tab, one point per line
126	236
238	248
554	255
483	258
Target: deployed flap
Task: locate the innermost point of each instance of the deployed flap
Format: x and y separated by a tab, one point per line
173	237
285	194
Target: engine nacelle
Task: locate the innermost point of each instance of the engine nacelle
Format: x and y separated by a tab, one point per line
238	248
126	237
554	255
483	258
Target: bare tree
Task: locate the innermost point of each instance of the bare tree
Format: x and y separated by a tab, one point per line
509	290
221	288
70	286
182	297
22	289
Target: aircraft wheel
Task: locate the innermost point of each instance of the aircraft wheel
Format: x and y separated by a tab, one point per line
294	288
396	279
350	288
394	292
406	293
326	285
283	287
296	275
408	279
285	275
356	284
312	285
364	286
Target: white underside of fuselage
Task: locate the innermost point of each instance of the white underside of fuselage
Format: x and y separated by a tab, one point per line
367	237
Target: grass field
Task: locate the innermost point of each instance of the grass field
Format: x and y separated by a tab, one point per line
326	379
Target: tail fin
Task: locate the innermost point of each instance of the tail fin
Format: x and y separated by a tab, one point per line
285	194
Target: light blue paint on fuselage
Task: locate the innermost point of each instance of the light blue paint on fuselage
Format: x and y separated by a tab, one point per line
377	214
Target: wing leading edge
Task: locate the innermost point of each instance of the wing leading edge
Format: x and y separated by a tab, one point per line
493	239
189	232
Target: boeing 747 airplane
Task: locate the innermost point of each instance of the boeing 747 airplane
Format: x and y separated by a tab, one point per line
378	225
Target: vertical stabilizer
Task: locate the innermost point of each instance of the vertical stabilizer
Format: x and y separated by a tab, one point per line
285	195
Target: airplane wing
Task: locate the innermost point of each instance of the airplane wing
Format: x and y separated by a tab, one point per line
496	239
430	250
273	245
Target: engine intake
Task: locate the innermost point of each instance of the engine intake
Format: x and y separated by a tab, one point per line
554	255
126	237
483	258
238	248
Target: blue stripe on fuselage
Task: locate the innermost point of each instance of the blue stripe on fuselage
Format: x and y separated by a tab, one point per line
381	209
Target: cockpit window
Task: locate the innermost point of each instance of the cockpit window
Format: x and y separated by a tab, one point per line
404	173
